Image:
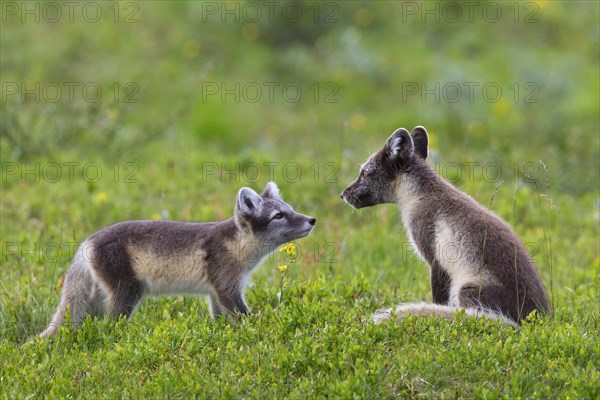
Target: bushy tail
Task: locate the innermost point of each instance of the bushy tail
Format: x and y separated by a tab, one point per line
78	289
438	310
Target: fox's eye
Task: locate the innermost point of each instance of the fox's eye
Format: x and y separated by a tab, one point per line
278	216
365	172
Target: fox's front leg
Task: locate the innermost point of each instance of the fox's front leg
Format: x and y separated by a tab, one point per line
215	307
232	301
440	284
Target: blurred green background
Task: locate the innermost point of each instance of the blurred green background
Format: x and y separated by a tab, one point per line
363	69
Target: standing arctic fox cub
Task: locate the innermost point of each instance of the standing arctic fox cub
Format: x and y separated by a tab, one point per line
488	273
118	265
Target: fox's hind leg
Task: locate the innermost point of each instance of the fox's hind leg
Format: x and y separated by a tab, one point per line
115	274
125	299
98	301
492	298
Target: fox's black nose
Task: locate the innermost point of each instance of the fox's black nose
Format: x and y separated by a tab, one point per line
312	221
342	195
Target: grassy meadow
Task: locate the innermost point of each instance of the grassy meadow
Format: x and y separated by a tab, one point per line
123	110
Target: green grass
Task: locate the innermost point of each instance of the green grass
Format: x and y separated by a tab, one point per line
157	159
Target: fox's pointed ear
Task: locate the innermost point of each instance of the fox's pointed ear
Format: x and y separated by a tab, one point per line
399	145
248	202
271	190
421	141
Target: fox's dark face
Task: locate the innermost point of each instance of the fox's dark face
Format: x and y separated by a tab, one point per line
380	175
271	220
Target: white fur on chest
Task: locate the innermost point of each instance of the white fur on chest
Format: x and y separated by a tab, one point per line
458	257
407	200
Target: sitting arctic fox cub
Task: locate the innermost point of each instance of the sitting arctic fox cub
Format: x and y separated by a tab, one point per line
492	275
118	265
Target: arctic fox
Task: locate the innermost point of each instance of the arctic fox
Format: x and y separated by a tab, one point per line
117	266
490	272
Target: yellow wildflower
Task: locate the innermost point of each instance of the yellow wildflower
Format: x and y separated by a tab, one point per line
112	114
101	197
155	216
289	249
501	107
282	268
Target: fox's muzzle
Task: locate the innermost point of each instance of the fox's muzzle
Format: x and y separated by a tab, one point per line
307	226
357	197
311	221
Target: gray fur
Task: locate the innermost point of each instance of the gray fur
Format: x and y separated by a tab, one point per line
477	262
437	310
117	266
